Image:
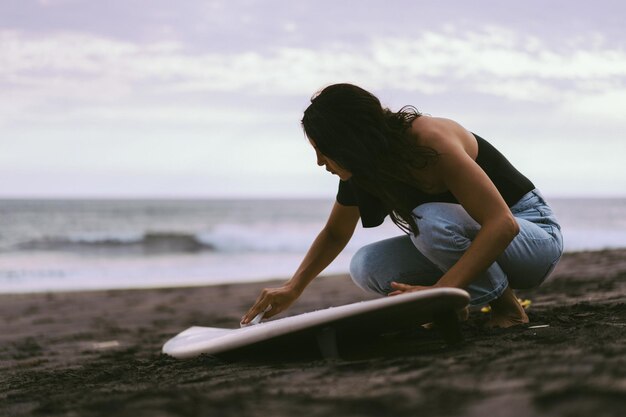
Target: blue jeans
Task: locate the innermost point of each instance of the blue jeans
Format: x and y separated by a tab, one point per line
446	231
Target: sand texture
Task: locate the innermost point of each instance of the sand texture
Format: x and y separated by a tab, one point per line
98	353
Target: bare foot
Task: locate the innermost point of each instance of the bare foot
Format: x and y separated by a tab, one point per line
506	311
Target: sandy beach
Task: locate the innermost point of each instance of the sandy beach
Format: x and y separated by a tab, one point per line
98	353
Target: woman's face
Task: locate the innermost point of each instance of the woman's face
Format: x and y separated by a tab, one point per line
331	166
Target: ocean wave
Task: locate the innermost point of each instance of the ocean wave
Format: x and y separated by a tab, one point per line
224	239
131	243
283	238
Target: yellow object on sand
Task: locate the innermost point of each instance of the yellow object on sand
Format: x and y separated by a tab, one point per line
524	303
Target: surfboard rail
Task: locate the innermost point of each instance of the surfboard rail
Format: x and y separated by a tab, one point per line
197	340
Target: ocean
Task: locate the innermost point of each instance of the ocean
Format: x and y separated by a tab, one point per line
70	245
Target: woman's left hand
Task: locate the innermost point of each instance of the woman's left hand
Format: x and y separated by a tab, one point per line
402	288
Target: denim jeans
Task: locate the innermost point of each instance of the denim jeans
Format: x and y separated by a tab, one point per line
446	231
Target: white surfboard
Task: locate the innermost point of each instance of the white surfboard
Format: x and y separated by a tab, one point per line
320	329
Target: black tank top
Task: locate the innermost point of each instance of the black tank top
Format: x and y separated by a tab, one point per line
511	184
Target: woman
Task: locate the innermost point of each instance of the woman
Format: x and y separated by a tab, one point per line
471	219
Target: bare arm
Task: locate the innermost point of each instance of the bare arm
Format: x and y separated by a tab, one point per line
475	191
482	201
329	243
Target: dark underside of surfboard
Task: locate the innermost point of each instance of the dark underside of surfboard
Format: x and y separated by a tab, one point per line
368	335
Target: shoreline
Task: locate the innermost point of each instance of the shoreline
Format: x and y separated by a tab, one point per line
253	281
266	281
97	353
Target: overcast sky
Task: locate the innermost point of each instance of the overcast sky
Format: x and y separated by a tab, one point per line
145	98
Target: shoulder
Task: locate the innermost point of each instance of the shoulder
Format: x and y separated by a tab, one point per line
443	135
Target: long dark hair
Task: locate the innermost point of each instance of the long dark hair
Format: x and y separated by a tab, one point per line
350	126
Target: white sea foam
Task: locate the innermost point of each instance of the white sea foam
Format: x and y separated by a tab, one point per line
278	237
61	246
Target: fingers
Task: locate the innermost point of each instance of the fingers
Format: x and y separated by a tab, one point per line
400	286
268	303
271	302
261	305
257	319
404	288
271	311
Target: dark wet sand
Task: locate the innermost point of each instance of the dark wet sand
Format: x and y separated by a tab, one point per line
98	353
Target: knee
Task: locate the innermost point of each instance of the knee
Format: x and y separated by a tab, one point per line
442	225
362	270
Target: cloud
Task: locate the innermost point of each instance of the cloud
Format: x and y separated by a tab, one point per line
149	114
605	106
81	69
520	90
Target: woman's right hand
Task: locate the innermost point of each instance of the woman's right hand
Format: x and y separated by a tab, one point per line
273	301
